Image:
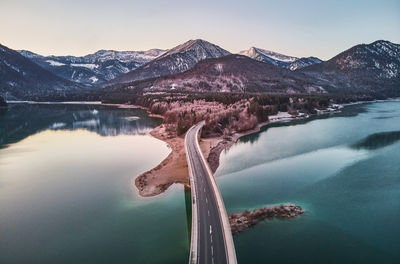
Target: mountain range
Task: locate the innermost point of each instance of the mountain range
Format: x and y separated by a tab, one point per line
233	73
96	68
200	66
277	59
175	60
367	68
22	78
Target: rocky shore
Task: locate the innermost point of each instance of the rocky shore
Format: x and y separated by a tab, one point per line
242	221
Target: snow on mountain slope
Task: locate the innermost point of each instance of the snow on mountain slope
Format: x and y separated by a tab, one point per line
104	65
231	73
278	59
303	62
20	78
178	59
365	68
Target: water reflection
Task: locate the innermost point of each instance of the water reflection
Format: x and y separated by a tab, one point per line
349	111
63	178
22	120
188	206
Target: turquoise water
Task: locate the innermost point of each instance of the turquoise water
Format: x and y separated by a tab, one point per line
67	194
343	170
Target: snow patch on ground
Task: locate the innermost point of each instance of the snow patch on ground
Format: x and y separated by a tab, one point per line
93	79
54	63
57	125
11	66
85	65
219	67
280	116
132	118
86	123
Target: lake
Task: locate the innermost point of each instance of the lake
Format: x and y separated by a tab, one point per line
67	191
343	170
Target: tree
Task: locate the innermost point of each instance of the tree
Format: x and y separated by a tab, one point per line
3	102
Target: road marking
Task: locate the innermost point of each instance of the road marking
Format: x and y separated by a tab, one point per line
211	239
206	200
208	211
212	250
210	229
204	189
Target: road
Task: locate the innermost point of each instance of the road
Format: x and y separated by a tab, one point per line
211	240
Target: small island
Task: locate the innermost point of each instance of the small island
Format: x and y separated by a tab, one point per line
242	221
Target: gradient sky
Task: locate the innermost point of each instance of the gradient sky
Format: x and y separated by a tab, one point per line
298	27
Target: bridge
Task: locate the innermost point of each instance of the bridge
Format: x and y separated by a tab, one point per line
211	239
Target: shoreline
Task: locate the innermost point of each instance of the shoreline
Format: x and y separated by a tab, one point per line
169	171
173	169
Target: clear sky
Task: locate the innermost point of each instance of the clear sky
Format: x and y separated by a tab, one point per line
320	28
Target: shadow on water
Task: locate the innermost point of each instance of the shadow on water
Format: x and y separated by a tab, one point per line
348	111
23	120
384	117
188	204
378	140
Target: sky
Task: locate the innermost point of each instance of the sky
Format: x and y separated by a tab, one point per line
299	27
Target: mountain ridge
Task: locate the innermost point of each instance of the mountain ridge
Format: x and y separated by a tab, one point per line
366	68
22	78
230	73
278	59
94	68
176	60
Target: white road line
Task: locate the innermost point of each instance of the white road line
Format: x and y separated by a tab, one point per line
210	229
206	200
208	211
212	250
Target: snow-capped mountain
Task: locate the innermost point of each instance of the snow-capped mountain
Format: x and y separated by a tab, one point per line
278	59
95	68
178	59
303	62
20	78
232	73
367	68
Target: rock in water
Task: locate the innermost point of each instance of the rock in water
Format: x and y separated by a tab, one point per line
242	221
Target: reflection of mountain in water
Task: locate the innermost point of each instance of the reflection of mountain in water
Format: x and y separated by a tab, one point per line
22	120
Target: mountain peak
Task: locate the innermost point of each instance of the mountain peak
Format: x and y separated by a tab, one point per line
202	47
175	60
363	68
278	59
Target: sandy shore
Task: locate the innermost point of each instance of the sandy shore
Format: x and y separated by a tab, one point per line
173	169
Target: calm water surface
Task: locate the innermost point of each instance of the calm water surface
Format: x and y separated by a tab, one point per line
66	188
344	171
66	195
